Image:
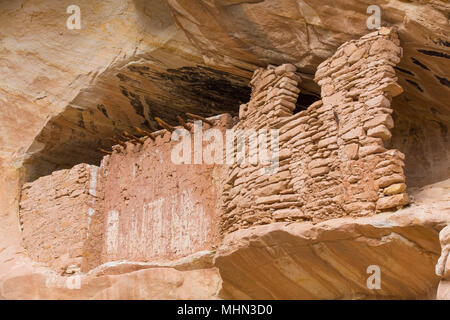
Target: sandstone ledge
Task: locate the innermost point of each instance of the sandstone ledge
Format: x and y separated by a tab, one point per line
297	260
329	260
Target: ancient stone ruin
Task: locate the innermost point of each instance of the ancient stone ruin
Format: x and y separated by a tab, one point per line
333	162
345	194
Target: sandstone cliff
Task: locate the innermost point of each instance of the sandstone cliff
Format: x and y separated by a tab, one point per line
363	116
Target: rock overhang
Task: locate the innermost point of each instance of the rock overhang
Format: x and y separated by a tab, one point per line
417	92
330	260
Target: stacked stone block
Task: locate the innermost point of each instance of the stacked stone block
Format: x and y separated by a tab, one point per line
250	197
55	213
358	84
333	161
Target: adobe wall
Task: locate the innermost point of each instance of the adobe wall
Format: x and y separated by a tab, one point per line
55	213
154	208
138	205
333	162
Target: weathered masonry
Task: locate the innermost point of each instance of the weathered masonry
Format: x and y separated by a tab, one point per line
333	162
56	213
140	206
137	205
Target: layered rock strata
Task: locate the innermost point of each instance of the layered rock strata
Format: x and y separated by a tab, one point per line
331	165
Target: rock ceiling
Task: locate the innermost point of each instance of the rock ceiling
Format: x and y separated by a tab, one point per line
134	60
65	93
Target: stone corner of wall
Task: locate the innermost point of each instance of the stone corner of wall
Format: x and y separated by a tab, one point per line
333	156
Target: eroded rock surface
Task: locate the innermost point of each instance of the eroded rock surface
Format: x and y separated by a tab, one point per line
330	260
67	93
443	265
332	156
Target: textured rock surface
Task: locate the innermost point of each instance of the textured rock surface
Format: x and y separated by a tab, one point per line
329	260
443	265
305	261
132	57
66	92
333	161
152	283
55	216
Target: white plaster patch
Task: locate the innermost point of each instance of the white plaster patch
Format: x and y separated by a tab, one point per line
90	213
93	170
112	232
172	225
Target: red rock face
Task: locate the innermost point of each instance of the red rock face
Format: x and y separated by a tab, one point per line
140	209
332	163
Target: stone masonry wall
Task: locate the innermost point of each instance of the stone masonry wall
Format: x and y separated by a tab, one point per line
358	84
332	157
55	215
141	206
138	205
154	208
250	197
